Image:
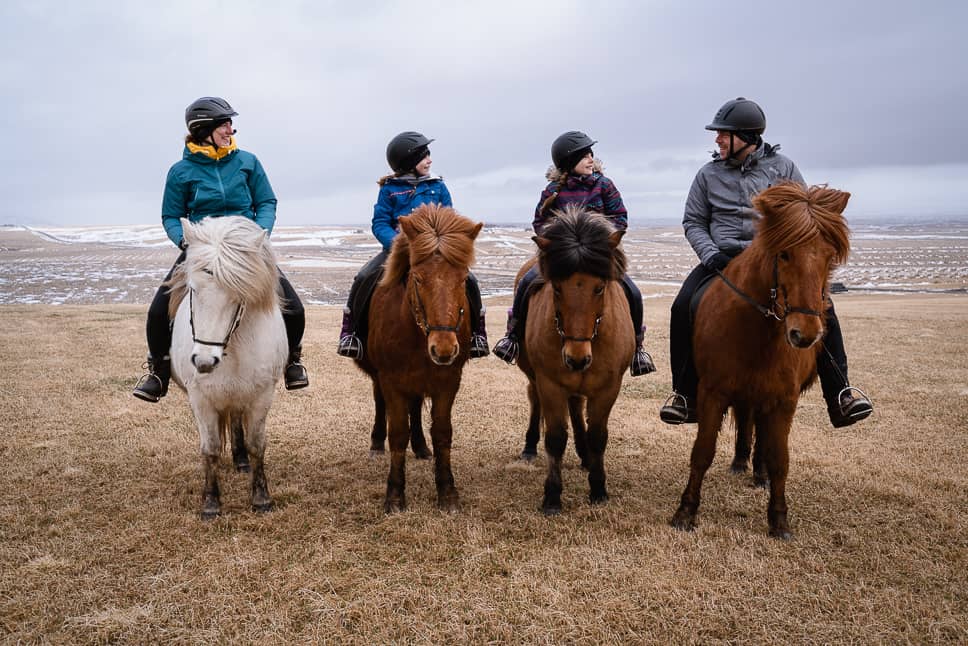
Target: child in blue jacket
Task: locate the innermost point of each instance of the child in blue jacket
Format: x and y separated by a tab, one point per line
409	186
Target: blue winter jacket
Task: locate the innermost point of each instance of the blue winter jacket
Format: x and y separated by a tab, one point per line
401	195
199	186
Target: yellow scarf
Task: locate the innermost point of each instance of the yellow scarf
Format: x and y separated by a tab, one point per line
210	151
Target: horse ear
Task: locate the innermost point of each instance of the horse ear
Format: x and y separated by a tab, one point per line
615	238
477	230
841	200
543	243
405	226
188	230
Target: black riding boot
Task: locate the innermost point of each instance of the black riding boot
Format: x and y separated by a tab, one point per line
506	349
295	374
154	384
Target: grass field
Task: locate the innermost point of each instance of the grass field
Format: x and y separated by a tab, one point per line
100	539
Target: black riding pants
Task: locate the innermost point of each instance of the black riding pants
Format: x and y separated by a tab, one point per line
519	309
158	326
831	362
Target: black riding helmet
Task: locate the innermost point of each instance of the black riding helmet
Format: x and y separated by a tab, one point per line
742	116
406	150
205	114
569	148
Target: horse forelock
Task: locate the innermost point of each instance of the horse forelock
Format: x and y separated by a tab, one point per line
440	230
793	215
579	242
239	259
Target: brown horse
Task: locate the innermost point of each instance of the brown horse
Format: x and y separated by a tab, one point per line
578	343
419	339
757	334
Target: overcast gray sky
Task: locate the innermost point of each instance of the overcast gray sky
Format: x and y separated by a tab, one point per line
870	97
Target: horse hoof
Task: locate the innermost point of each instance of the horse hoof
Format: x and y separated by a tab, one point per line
683	521
243	467
209	514
528	457
423	454
738	468
781	533
263	508
549	508
449	505
377	453
598	499
394	507
761	483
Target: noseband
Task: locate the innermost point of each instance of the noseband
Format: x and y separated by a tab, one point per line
580	339
420	317
774	309
239	311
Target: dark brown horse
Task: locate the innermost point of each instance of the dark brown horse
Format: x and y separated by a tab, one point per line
757	334
419	336
578	343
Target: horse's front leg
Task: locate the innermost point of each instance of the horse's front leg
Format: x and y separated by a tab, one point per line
210	445
710	411
441	434
399	438
379	433
576	411
255	443
533	434
776	431
744	438
418	444
553	406
761	479
599	408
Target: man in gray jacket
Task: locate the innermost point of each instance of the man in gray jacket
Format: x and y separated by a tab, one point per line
719	222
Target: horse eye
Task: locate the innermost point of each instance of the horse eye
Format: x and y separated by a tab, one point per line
599	290
784	256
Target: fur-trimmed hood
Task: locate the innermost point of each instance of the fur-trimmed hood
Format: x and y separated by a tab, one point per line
554	174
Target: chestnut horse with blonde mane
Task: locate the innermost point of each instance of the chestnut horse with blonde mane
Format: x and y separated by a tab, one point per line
419	339
758	330
578	343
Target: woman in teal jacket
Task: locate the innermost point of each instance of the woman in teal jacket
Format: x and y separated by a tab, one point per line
409	186
214	178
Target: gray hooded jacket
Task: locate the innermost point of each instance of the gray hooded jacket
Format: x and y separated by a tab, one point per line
719	216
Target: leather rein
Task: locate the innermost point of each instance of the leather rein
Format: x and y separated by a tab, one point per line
774	309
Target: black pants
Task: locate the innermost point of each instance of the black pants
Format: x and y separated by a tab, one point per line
519	308
831	362
366	280
158	326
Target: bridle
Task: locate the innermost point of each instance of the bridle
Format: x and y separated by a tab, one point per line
774	309
580	339
239	311
420	317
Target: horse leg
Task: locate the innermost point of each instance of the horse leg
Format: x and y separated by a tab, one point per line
744	438
777	457
240	457
577	414
761	479
379	433
441	434
533	433
399	437
210	445
710	412
599	408
255	443
556	438
417	441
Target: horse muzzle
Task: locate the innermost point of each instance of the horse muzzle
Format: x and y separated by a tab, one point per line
577	356
206	363
802	337
443	348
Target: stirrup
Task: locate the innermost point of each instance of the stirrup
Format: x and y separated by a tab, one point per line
861	408
676	410
296	382
479	347
642	363
350	346
149	388
506	349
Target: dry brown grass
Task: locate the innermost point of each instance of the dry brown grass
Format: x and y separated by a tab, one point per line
100	540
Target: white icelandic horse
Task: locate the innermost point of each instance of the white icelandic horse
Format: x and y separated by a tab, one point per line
228	345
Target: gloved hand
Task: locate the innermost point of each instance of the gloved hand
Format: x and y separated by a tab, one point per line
182	244
718	262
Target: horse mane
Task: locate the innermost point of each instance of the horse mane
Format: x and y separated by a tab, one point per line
795	215
236	252
440	229
579	242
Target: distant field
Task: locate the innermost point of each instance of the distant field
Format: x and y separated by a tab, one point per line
100	540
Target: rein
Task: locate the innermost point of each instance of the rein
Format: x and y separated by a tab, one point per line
239	311
774	308
420	318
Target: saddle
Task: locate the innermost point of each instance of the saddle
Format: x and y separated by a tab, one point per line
697	296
